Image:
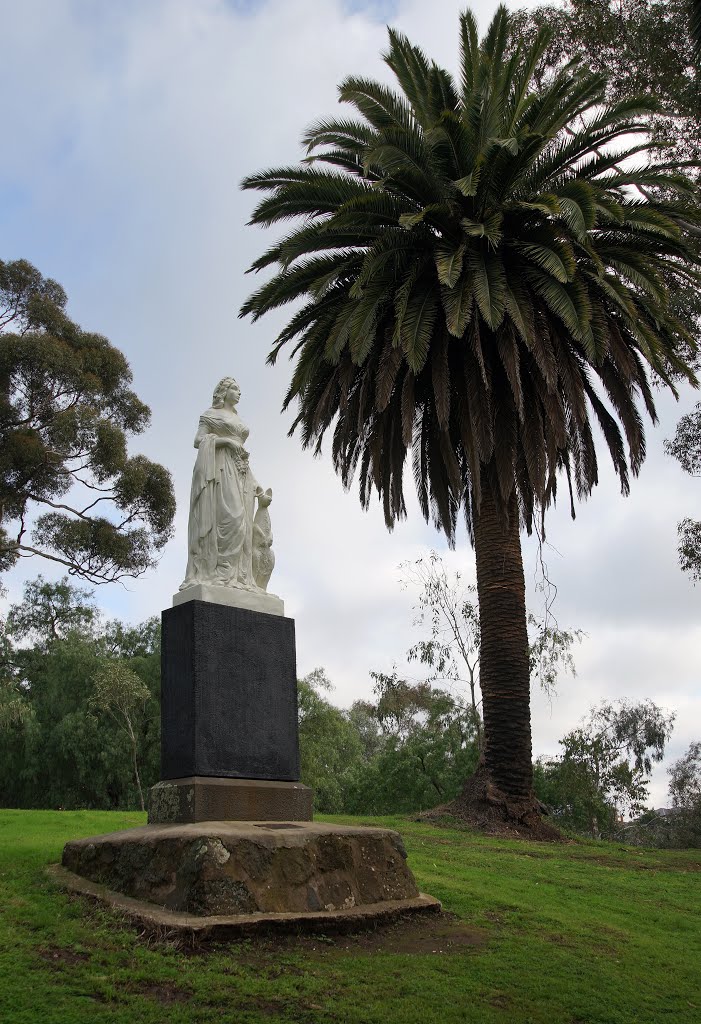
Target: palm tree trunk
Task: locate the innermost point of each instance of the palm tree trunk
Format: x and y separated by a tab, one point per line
498	797
504	662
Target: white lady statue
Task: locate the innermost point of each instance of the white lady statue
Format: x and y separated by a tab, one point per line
224	550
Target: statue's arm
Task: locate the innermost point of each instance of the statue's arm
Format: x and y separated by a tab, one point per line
204	431
201	434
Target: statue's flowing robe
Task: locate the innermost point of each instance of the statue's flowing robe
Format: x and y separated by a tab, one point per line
222	502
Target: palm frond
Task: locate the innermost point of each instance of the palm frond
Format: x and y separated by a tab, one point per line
484	277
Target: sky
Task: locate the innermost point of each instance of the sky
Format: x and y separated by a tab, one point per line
127	129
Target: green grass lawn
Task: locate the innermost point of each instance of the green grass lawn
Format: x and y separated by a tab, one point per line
586	933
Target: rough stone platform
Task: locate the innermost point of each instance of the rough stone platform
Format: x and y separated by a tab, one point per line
190	927
254	874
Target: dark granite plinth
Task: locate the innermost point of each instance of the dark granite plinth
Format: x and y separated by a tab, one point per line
229	694
207	799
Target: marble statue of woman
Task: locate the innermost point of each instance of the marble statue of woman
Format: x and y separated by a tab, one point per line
222	500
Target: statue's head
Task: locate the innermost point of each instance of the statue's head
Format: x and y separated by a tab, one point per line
220	391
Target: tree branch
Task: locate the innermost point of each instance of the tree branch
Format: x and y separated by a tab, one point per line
74	569
58	505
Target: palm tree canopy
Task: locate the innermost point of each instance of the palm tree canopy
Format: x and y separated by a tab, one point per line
484	267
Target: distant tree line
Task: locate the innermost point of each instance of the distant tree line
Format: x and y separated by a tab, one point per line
80	728
410	748
79	703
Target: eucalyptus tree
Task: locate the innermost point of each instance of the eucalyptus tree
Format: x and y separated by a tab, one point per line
605	765
448	614
480	291
641	46
120	693
685	790
685	447
69	491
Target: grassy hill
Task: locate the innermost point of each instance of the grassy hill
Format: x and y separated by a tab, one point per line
582	933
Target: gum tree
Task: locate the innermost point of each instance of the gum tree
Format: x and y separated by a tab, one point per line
120	693
69	490
448	611
685	447
479	290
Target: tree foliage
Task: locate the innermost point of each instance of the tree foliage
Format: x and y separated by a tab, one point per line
330	748
69	491
685	790
57	752
407	750
52	610
605	766
472	258
448	609
429	746
685	447
15	711
120	693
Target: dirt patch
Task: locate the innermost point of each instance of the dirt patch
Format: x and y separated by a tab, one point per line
531	854
61	957
564	941
278	970
302	1013
437	933
500	1001
165	993
627	864
485	809
492	915
268	1007
446	935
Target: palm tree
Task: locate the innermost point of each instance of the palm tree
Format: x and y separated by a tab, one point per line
483	286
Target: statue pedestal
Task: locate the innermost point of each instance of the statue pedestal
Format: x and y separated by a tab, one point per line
230	867
235	597
228	879
230	847
204	799
228	694
229	744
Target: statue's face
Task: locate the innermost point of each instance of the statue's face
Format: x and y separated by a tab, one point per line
234	393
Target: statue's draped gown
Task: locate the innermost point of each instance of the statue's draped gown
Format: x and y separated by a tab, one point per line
221	505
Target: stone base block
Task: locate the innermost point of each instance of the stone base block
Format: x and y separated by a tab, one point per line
234	597
222	927
248	868
200	798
